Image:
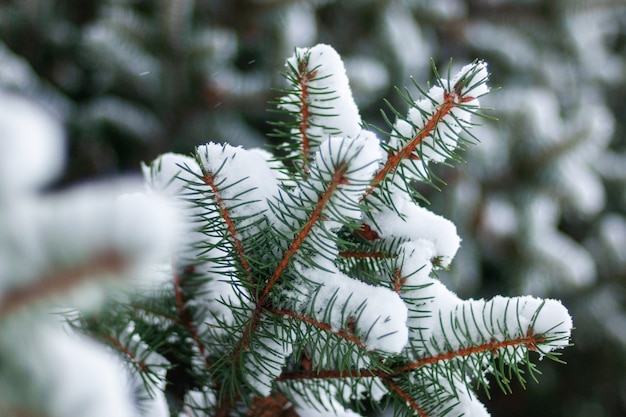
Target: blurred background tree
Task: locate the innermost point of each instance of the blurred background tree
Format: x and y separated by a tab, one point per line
540	203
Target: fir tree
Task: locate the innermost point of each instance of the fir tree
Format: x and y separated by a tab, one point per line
305	283
549	221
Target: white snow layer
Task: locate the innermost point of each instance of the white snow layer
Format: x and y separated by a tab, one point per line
172	175
31	146
337	299
61	375
359	158
323	403
445	128
460	324
418	223
329	114
265	359
89	230
244	179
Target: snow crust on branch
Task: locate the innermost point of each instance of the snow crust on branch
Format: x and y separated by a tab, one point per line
242	176
59	370
338	113
66	248
358	159
322	101
338	299
407	220
443	114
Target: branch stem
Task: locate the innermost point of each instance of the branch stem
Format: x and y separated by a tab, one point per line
209	179
336	180
62	280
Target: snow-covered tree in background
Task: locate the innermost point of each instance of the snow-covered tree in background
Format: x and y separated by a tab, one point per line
305	283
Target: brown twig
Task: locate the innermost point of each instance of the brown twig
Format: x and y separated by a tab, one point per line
62	280
346	335
209	179
407	152
316	215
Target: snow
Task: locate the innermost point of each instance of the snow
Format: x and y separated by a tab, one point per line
244	179
361	156
175	177
369	78
612	235
499	217
148	392
415	223
416	257
330	101
67	375
66	230
31	144
474	80
570	262
265	359
455	324
440	143
323	403
328	295
178	177
469	405
406	39
171	173
298	25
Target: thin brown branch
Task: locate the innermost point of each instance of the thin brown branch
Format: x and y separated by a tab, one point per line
209	179
187	322
225	408
407	152
333	374
398	280
367	255
276	405
249	330
62	281
348	336
304	77
131	356
530	341
406	397
316	215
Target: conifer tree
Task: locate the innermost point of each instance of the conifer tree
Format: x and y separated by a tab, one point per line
539	204
304	283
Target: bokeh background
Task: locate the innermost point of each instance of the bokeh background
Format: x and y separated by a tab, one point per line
540	202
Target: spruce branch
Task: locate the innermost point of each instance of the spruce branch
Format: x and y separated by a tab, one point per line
338	178
61	281
183	316
346	335
129	354
310	287
209	179
405	396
